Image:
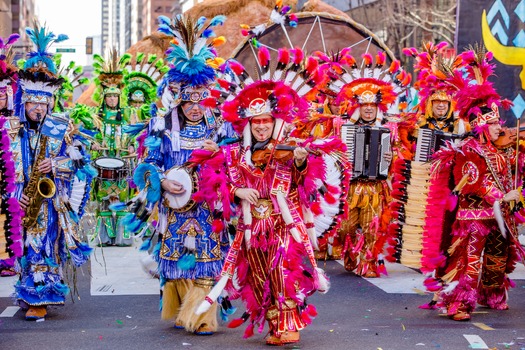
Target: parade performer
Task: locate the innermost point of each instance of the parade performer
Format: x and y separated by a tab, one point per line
112	149
436	105
49	165
365	92
474	254
10	214
193	238
140	85
144	75
277	191
436	126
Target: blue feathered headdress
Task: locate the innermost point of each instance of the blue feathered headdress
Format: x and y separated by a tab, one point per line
38	80
192	55
42	39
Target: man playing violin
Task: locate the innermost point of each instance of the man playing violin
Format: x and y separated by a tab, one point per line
480	245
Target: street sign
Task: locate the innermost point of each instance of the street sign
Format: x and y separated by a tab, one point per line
65	50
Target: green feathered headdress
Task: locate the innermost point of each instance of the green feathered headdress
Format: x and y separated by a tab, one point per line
109	74
141	82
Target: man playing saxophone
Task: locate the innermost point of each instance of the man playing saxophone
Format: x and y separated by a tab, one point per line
52	183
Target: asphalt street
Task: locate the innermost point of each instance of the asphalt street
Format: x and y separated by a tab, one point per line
117	308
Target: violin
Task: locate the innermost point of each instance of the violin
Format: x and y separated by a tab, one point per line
283	152
508	137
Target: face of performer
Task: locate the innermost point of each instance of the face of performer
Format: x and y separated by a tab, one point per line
334	108
194	112
494	129
368	112
3	99
262	127
440	108
136	104
111	100
35	111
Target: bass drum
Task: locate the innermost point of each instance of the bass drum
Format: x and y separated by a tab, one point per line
189	181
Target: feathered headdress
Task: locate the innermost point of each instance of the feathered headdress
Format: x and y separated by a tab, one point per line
109	73
145	73
281	14
278	87
192	56
434	69
477	100
192	63
8	72
369	82
38	80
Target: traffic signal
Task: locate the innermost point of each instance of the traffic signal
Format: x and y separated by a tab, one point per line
89	46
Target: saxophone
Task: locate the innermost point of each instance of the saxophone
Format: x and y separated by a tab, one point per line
38	187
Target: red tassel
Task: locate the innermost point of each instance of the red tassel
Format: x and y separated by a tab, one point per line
381	269
367	58
224	84
315	207
217	226
264	56
235	323
306	318
329	198
283	56
249	331
209	102
312	311
519	218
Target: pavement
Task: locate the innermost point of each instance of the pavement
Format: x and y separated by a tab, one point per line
116	306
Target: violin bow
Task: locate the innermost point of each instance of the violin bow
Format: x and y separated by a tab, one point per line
516	175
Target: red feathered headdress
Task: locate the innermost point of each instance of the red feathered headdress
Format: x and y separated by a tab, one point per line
367	82
279	89
8	72
434	68
477	100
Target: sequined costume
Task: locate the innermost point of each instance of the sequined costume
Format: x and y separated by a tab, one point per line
54	238
10	213
193	238
473	253
271	260
371	88
113	144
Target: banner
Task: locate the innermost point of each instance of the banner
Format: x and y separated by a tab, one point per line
500	26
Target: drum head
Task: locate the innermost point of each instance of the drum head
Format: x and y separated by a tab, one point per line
181	202
109	163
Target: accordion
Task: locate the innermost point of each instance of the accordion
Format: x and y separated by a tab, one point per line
430	141
366	148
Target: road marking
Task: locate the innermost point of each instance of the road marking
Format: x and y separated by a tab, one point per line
7	286
404	280
10	311
117	271
483	326
475	341
400	279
